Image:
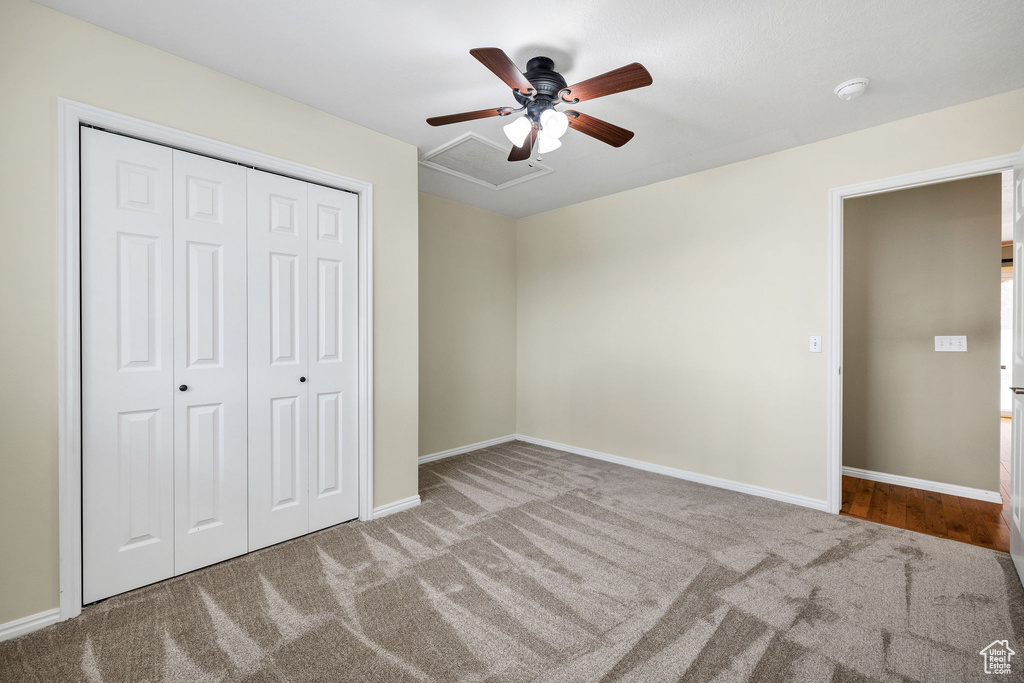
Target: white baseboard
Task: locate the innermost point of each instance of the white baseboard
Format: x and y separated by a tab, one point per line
718	482
466	449
926	485
397	506
33	622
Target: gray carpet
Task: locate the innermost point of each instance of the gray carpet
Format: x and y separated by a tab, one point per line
525	563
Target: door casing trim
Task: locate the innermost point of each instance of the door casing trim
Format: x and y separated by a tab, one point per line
969	169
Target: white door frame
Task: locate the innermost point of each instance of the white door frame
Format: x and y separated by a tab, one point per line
70	115
970	169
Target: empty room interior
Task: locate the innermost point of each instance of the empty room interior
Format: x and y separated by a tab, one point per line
698	356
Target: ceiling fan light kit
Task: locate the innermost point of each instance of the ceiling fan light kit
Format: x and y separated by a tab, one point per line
539	91
553	123
547	144
517	131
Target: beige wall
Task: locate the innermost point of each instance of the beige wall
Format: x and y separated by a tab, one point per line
45	54
919	263
467	325
669	323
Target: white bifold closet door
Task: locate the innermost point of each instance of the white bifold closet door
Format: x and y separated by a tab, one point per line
278	339
163	362
303	402
333	356
127	364
210	419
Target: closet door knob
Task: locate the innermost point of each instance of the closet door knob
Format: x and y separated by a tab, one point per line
302	379
183	387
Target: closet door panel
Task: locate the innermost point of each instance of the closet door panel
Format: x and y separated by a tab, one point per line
278	363
127	365
210	416
333	354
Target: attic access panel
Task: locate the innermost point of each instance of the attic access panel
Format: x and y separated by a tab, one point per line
477	159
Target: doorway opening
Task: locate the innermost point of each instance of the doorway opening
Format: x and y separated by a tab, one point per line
933	500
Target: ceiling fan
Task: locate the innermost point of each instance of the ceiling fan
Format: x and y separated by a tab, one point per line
539	91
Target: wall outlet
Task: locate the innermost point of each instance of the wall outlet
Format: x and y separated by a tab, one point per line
955	343
815	345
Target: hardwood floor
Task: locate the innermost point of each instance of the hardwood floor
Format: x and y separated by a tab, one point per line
938	514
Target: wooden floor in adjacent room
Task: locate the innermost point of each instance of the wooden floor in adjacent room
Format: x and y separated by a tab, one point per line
938	514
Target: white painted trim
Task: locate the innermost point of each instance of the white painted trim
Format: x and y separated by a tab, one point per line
426	161
33	622
365	333
834	427
707	479
69	365
836	196
925	485
397	506
465	449
70	115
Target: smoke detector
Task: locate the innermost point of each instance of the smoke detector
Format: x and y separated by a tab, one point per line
852	88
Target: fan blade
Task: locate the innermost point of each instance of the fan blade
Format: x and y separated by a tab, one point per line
467	116
501	66
624	78
598	129
523	153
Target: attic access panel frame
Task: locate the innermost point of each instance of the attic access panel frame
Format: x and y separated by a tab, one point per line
540	169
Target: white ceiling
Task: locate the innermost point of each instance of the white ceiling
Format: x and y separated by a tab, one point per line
733	79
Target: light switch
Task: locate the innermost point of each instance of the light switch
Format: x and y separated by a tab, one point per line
954	343
815	346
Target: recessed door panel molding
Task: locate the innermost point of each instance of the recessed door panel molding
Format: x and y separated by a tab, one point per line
205	463
127	366
328	299
138	469
284	452
137	187
205	304
1017	427
210	414
284	309
328	433
284	216
328	222
204	199
333	357
139	297
278	358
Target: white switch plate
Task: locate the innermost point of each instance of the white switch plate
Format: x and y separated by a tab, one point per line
955	343
815	346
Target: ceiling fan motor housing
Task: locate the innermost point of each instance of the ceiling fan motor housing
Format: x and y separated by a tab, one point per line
546	81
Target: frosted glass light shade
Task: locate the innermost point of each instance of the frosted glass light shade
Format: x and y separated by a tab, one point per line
554	123
547	143
517	131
